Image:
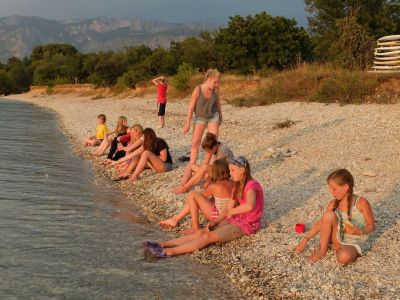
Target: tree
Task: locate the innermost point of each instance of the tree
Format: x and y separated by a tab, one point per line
5	83
354	47
251	43
378	17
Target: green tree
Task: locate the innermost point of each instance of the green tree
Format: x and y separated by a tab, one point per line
378	17
354	47
5	83
252	43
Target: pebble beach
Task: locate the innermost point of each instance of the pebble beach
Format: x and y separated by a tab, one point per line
292	147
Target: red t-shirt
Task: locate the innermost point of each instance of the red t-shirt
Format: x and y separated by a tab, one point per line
125	138
162	93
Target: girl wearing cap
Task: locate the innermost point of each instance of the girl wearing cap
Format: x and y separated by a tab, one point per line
233	222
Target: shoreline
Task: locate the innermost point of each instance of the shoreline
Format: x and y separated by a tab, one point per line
264	265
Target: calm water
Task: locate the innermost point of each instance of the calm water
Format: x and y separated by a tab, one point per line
60	234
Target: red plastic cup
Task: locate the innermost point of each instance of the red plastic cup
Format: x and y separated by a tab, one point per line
300	228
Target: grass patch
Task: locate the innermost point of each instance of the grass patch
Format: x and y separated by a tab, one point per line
316	83
284	124
98	96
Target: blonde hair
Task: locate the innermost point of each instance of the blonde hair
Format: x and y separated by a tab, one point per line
213	73
121	128
138	128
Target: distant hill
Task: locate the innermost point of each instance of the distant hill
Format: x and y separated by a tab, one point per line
19	35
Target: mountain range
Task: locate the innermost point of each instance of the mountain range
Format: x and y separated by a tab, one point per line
19	35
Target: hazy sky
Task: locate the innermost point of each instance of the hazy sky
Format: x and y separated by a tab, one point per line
216	11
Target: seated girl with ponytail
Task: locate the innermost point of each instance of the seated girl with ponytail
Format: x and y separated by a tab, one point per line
220	188
346	223
234	222
194	173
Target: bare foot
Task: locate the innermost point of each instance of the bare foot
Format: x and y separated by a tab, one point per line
316	256
133	178
171	222
301	246
180	190
189	231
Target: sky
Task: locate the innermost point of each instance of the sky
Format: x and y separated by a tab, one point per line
215	11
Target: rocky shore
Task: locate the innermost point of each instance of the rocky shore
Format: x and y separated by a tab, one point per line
292	147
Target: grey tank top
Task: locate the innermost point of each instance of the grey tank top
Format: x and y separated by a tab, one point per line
206	108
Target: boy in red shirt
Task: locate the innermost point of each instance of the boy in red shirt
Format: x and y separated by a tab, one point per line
162	86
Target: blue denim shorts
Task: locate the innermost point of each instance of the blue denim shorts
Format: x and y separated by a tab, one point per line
213	119
168	167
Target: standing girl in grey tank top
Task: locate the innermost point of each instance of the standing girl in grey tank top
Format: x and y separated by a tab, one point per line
206	107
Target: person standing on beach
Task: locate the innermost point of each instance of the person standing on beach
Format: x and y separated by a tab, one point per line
206	106
162	86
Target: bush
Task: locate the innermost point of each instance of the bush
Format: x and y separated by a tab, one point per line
181	81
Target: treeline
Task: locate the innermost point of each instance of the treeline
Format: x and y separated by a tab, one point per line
341	32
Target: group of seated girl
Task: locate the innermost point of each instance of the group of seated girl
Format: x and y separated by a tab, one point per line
233	204
132	150
231	200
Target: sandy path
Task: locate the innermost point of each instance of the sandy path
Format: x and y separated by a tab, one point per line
363	138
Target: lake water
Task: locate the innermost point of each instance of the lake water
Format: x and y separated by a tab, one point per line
60	234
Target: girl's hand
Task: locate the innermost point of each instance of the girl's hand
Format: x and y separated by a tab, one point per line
186	128
120	148
352	230
227	213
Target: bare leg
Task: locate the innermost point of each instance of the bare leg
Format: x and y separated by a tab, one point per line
197	177
198	201
213	128
196	140
174	220
102	148
183	239
203	241
186	177
148	157
132	165
346	255
327	233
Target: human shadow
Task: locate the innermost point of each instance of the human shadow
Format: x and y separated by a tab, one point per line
386	213
295	193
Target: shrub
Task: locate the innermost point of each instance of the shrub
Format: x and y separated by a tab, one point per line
181	81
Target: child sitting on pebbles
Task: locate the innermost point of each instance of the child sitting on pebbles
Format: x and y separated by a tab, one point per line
101	132
220	188
346	223
233	223
194	173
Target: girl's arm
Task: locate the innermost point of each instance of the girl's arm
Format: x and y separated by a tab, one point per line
155	80
365	208
192	105
219	107
207	159
133	146
138	151
163	155
246	207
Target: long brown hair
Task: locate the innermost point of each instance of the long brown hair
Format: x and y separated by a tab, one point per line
209	141
150	139
342	177
239	186
121	127
220	170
